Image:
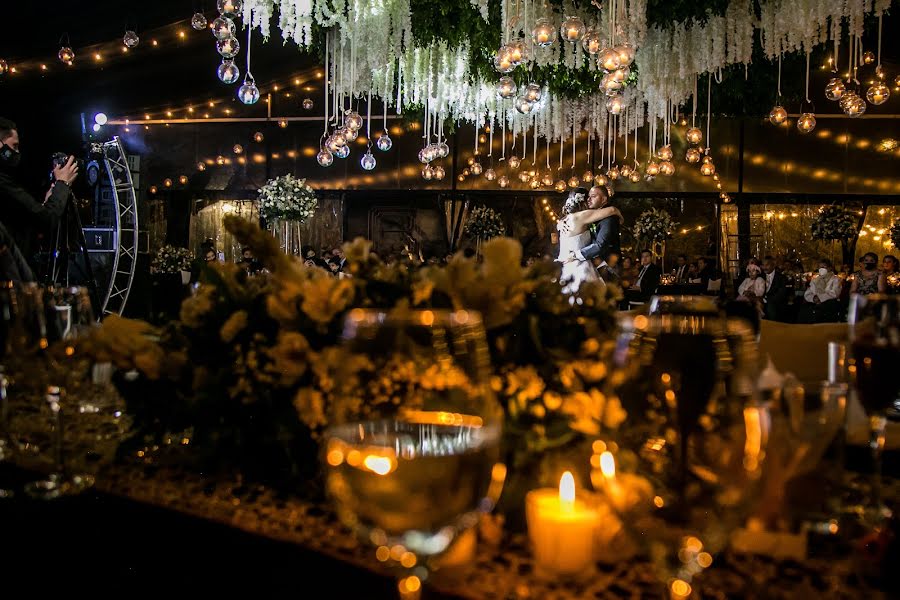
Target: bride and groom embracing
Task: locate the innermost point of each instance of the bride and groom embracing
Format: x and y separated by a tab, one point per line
589	229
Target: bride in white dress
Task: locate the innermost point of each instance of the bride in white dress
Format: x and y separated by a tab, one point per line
575	234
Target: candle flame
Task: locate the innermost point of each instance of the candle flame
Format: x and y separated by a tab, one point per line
608	465
567	487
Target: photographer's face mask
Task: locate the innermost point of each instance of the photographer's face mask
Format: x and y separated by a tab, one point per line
9	157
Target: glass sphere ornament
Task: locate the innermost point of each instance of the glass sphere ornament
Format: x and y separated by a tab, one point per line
477	169
222	28
4	67
534	183
324	158
423	156
574	181
591	42
897	81
543	34
524	176
777	115
878	94
439	172
506	88
350	135
443	150
66	55
514	162
666	168
466	172
518	52
560	186
626	170
183	180
572	29
523	105
806	123
220	160
652	168
229	47
307	104
621	74
707	169
600	179
852	104
707	159
587	176
332	144
343	152
248	93
237	149
694	135
490	174
384	142
503	181
228	72
368	161
131	39
613	173
503	60
615	104
835	89
609	84
258	137
665	153
692	155
635	176
201	166
608	59
868	57
199	22
460	177
470	161
547	179
533	92
626	54
167	182
230	7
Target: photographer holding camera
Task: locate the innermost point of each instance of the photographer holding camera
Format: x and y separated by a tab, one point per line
21	215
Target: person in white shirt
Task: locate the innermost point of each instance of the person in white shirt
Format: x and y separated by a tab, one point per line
821	296
753	288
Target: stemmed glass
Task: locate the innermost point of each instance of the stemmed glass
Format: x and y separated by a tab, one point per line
690	453
875	348
413	483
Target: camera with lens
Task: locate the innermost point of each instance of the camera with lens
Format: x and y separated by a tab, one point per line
59	159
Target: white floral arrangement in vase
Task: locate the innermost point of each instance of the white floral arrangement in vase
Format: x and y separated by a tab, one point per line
287	198
654	226
171	260
834	223
484	223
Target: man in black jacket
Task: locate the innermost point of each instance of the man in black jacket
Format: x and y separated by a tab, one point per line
20	213
647	281
776	299
605	234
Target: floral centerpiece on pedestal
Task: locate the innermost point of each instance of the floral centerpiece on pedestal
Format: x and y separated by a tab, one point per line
286	203
171	260
483	224
836	223
652	229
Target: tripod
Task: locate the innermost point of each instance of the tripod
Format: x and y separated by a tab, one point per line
69	230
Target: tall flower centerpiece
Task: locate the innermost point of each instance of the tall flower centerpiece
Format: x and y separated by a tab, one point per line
837	224
483	224
652	229
172	260
286	203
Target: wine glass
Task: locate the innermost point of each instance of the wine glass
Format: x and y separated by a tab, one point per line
875	348
690	454
414	482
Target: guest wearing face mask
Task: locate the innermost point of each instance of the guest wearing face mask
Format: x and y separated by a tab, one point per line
868	280
821	296
891	269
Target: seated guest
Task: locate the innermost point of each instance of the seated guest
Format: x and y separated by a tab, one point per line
706	271
250	264
775	300
891	268
681	269
753	288
821	296
647	280
628	273
693	274
868	280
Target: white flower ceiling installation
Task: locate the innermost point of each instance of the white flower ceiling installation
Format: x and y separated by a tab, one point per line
370	52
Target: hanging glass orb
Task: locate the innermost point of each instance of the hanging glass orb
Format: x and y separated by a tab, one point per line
610	84
591	42
694	135
230	8
503	62
626	170
131	39
835	89
434	151
514	162
534	183
547	179
524	176
879	72
692	155
237	149
201	166
652	168
707	169
543	34
518	52
66	55
806	122
466	172
384	142
600	179
615	104
626	54
423	156
343	152
635	176
574	181
572	29
443	149
868	57
609	59
439	172
223	28
198	21
4	67
613	173
229	47
503	181
587	176
490	174
533	92
258	137
878	94
183	179
228	72
560	186
332	143
857	107
523	105
307	104
248	93
368	161
220	160
707	159
167	182
471	161
846	99
777	115
666	168
621	75
897	81
506	88
665	153
477	168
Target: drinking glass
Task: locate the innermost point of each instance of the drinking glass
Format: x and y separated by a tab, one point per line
875	349
412	483
689	456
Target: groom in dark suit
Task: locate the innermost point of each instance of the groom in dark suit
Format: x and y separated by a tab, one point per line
605	234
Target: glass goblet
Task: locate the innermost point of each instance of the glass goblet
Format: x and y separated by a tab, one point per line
413	482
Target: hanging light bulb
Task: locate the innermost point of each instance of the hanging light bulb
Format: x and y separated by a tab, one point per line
572	29
368	161
506	87
547	179
230	7
523	105
591	42
878	94
490	174
626	54
258	137
476	168
694	135
503	60
228	72
543	34
665	153
777	115
615	104
514	162
223	28
692	155
343	152
384	142
600	179
835	89
229	47
131	39
66	56
666	168
533	92
806	123
503	181
198	21
438	172
652	168
560	186
609	59
248	93
613	173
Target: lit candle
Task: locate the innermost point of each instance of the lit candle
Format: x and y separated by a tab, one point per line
543	37
561	529
572	34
